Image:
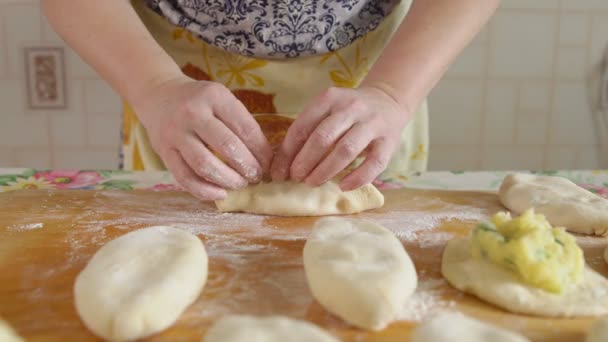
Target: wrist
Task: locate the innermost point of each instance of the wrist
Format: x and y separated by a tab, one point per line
400	99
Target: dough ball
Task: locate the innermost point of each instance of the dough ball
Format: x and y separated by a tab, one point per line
242	328
7	334
598	331
504	288
359	271
298	199
563	203
140	283
454	326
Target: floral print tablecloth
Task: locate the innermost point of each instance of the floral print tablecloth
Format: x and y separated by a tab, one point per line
18	179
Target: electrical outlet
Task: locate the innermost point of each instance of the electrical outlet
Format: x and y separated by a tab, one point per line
45	75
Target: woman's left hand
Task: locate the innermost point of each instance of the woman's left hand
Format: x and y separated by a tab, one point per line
334	130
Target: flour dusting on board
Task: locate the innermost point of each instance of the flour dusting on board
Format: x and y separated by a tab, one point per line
25	226
250	256
425	301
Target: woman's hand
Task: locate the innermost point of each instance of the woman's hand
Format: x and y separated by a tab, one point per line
334	130
188	121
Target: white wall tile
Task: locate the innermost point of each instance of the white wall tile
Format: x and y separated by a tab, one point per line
573	29
12	99
599	37
22	27
7	158
584	4
28	131
531	129
456	108
454	157
527	4
68	126
572	120
68	130
535	97
104	130
588	158
101	98
36	158
560	158
3	51
16	128
572	63
501	101
512	158
522	44
471	63
86	158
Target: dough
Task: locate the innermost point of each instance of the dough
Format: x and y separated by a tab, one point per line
503	288
7	334
454	326
241	328
358	271
598	331
140	283
298	199
563	203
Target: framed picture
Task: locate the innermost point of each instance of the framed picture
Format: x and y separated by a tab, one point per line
45	74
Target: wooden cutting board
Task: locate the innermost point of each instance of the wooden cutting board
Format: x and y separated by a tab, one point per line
255	262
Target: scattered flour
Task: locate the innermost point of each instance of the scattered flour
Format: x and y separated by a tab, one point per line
425	301
237	244
25	226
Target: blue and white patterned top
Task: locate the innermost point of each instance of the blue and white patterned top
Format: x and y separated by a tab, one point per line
276	28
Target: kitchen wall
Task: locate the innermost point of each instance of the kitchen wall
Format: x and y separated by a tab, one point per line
516	98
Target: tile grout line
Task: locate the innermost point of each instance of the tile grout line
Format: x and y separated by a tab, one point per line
589	63
484	93
552	89
5	65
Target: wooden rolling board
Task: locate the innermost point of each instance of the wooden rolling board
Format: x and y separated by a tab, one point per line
255	262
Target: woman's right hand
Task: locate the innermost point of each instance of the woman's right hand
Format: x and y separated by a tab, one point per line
190	122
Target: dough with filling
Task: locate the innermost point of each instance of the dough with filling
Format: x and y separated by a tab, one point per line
454	326
359	271
563	203
140	283
244	328
8	334
505	289
298	199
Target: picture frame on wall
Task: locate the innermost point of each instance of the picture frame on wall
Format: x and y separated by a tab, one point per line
45	77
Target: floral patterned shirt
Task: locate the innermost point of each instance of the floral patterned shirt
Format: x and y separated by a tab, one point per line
276	28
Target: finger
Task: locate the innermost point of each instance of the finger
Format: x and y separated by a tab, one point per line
236	117
225	143
347	149
208	166
297	134
324	136
186	178
375	163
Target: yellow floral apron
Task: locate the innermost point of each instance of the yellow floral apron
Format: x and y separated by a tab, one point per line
275	86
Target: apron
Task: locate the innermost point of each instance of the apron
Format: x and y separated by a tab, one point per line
275	89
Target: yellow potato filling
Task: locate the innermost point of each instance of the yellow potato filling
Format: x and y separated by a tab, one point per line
543	256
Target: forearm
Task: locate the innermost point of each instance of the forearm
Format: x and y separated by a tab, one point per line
433	33
110	36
